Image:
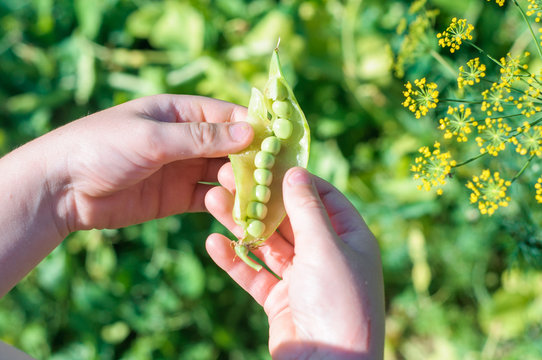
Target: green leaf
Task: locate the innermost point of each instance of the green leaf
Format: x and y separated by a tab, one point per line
180	27
89	16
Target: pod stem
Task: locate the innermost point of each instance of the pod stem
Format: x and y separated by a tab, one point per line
242	251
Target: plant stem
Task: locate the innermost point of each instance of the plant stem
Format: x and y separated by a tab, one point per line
444	63
523	168
530	27
470	160
484	53
460	101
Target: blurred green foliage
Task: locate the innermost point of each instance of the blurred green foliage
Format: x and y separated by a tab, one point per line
457	286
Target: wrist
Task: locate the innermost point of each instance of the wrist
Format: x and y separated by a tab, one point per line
30	219
58	195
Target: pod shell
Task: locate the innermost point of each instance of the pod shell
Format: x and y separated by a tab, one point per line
294	151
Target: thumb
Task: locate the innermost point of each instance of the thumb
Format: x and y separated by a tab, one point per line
308	217
178	141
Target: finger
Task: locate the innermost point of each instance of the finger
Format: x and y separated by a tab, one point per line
187	108
308	217
257	283
285	230
198	198
276	252
219	203
203	109
210	167
167	142
226	177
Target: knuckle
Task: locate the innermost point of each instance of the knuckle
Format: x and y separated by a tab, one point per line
204	135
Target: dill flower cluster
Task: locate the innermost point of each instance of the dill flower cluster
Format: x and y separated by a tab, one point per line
501	120
511	68
471	74
528	140
494	135
432	168
457	123
455	34
528	103
534	8
494	98
489	192
420	100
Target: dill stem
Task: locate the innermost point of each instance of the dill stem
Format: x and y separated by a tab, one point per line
444	63
469	160
522	170
460	101
482	51
530	27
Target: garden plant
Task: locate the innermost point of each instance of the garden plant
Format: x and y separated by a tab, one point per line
426	114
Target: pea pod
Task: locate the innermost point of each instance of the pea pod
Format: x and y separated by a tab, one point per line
281	141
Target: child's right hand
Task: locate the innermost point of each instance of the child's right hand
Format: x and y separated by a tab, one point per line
330	301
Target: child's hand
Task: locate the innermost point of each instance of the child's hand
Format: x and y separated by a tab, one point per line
134	162
330	301
143	159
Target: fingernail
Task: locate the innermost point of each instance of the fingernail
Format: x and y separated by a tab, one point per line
239	131
299	177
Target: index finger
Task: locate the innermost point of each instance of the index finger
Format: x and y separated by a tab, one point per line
189	108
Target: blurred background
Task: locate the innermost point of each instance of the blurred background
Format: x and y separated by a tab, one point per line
458	285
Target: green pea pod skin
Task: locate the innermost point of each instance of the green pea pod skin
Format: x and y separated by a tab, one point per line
294	151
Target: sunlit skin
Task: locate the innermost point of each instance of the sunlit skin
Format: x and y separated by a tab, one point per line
143	160
329	303
125	165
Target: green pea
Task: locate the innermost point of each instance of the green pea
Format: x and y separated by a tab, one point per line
261	193
275	90
256	228
263	177
283	109
256	210
282	128
264	160
271	144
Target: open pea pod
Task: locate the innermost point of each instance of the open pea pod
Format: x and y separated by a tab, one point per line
281	141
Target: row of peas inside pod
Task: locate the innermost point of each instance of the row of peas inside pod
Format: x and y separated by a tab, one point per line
281	141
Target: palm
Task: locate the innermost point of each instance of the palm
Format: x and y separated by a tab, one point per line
139	195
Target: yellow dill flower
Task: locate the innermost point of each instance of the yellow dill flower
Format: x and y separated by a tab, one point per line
494	134
534	8
528	103
432	168
528	140
538	188
499	2
458	123
472	74
511	68
455	33
420	100
494	97
489	192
